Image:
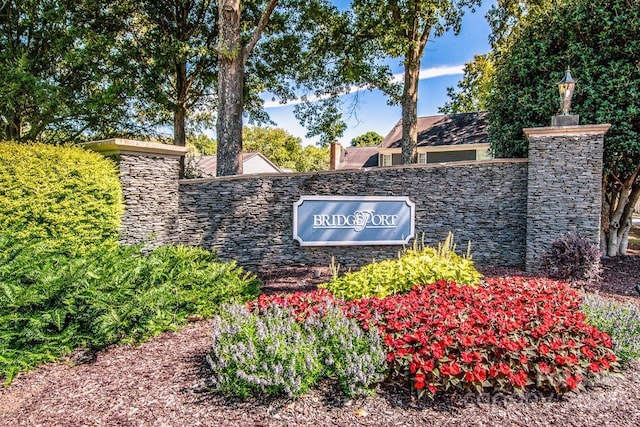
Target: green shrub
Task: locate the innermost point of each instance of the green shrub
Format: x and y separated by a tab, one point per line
285	344
53	302
413	266
572	257
621	321
66	194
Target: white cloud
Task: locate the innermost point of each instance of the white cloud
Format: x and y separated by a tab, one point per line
426	73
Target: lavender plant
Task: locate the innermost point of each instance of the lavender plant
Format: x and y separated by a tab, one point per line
620	321
269	351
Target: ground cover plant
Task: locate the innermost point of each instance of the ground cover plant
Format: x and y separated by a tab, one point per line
284	344
620	320
503	335
65	281
419	264
52	302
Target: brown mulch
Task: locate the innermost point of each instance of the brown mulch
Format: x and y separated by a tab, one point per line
163	383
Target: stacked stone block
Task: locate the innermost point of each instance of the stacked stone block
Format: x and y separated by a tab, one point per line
149	174
564	186
250	219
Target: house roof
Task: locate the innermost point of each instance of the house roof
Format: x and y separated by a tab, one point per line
449	129
358	157
207	165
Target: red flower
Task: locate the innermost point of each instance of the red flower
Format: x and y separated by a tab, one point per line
573	381
543	349
523	359
560	359
587	352
594	367
467	357
432	388
419	381
428	365
504	368
493	371
469	377
544	368
467	341
480	372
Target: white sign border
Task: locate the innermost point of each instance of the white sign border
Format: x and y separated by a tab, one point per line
406	199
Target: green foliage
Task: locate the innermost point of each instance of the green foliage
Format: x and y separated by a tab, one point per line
413	266
474	88
52	302
314	159
282	148
57	82
283	344
63	194
620	320
573	257
598	39
369	139
201	145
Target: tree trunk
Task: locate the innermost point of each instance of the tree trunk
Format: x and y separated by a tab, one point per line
13	129
617	211
230	90
180	110
410	106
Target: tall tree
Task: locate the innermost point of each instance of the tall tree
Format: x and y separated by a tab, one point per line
170	50
598	39
276	144
55	71
233	53
402	29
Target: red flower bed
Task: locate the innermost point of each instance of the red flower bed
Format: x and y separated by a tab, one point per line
301	303
505	334
502	335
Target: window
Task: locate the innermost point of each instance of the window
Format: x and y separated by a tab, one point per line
451	156
422	158
386	159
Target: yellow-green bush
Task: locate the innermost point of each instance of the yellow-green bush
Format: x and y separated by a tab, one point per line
413	266
58	193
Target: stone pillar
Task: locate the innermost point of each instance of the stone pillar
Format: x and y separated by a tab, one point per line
564	186
149	175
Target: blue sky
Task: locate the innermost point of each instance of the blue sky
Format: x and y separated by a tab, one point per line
442	67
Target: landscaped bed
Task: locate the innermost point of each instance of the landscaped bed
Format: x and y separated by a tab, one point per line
164	382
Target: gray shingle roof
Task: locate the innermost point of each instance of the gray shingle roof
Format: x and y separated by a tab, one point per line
449	129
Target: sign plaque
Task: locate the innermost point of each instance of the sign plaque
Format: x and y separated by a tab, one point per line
353	220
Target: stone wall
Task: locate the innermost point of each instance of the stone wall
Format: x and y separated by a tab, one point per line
149	175
510	210
249	219
565	186
150	191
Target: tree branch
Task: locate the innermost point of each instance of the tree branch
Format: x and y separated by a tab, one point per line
257	34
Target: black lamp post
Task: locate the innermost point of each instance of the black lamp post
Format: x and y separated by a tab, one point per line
566	87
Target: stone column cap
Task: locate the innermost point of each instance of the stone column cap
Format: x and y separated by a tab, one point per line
131	146
567	130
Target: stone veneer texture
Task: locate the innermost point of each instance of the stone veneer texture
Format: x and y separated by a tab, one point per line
250	219
565	191
150	192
